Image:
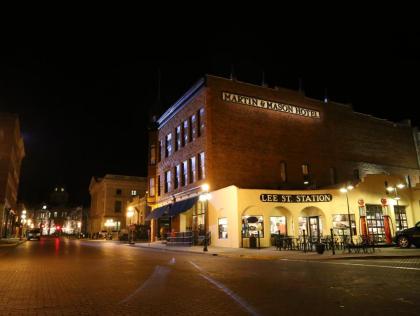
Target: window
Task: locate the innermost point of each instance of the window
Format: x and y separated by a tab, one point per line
333	179
400	217
55	214
223	228
341	224
152	154
118	206
184	173
185	133
252	225
283	175
356	175
193	127
201	122
305	173
198	218
178	138
168	145
408	181
159	150
177	176
201	168
133	192
168	186
118	191
158	185
375	222
152	186
192	170
278	225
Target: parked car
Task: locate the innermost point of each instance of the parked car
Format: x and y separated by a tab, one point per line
34	233
409	236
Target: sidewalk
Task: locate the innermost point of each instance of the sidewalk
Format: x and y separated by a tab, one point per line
10	242
273	254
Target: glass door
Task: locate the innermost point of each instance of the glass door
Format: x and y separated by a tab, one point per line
313	228
375	222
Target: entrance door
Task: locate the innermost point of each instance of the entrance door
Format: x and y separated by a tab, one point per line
313	228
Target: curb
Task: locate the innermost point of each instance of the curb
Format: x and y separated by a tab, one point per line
9	245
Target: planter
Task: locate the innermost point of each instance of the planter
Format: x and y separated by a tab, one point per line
320	248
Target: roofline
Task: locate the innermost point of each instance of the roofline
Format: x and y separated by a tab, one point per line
178	105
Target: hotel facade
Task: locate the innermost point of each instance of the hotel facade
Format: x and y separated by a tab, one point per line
272	161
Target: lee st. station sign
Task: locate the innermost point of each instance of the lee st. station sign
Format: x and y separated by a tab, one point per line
296	198
270	105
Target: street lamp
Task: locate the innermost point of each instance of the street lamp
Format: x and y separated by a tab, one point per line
204	198
345	190
130	213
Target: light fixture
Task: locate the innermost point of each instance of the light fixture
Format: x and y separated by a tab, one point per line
205	187
400	186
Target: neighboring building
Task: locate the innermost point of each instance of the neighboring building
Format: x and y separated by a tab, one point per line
12	152
109	199
278	157
139	206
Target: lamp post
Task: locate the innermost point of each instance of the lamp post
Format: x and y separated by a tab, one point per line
130	213
204	198
345	190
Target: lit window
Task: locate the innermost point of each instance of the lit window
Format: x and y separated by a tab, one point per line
160	150
168	184
152	186
133	192
184	173
201	166
201	122
252	225
168	150
305	172
192	170
223	228
193	127
178	138
177	176
185	132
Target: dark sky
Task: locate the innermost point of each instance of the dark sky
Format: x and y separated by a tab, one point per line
84	95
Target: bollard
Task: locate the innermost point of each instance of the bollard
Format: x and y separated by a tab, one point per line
332	241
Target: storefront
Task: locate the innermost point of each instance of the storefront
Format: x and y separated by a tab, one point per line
237	215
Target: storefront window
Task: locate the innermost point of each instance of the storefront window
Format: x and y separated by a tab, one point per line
341	224
375	222
278	225
253	225
223	228
400	217
198	218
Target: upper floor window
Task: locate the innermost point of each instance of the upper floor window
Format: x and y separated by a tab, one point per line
177	176
159	150
168	147
283	173
152	186
192	170
152	154
201	122
168	182
193	127
356	175
118	206
201	166
118	191
133	192
185	131
178	138
305	173
184	173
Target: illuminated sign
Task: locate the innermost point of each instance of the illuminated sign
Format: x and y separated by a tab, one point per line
296	198
270	105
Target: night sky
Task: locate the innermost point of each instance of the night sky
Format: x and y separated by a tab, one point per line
84	97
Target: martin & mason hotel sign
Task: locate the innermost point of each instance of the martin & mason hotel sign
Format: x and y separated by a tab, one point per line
270	105
296	198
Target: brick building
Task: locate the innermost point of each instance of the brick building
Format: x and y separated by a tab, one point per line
110	196
230	134
12	152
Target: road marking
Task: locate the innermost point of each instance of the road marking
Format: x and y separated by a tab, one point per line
357	264
158	275
227	291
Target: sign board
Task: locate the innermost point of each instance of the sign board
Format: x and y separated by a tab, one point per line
296	198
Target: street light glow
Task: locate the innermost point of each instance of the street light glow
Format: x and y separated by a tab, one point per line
400	186
343	190
205	187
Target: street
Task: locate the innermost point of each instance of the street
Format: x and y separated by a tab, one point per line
77	277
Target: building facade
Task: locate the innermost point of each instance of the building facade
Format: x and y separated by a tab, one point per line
12	151
109	200
276	149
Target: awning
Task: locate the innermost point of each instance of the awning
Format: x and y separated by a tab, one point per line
158	212
182	206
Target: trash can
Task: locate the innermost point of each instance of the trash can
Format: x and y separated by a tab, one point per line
252	241
320	248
